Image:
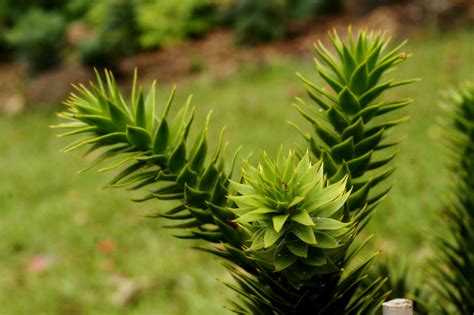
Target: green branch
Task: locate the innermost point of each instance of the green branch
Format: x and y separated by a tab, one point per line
349	123
453	268
286	226
155	153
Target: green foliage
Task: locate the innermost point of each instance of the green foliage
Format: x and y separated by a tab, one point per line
285	227
38	37
402	282
349	124
453	271
116	34
261	21
307	9
258	21
293	217
164	22
350	138
77	9
98	51
121	27
156	152
12	10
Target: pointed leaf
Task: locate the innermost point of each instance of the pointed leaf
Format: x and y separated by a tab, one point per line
343	151
328	224
359	165
326	241
118	116
304	233
358	198
279	221
337	119
284	259
330	166
332	207
161	138
199	155
348	101
373	93
209	178
349	61
252	217
369	143
187	177
326	135
315	258
150	106
195	198
298	248
359	80
139	137
333	83
178	158
302	217
271	236
140	114
356	130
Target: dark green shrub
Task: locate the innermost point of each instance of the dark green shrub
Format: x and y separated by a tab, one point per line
37	38
75	9
4	47
453	268
98	51
307	9
202	19
164	22
116	35
258	21
13	10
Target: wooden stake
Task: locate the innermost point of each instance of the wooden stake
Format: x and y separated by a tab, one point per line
398	307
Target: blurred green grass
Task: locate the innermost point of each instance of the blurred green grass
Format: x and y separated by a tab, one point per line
97	242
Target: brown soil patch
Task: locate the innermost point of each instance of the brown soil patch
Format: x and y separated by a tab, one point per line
215	53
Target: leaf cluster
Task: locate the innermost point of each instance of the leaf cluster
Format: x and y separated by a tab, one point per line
153	152
453	268
285	226
292	215
350	123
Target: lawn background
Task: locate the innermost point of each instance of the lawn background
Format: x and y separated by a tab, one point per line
98	242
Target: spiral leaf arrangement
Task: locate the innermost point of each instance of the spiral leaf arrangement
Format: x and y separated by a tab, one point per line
284	227
454	269
349	136
292	215
350	128
156	153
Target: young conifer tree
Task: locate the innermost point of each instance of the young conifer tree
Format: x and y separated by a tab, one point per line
284	226
453	268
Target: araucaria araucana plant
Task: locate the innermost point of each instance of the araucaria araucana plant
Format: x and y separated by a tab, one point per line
453	269
350	124
284	226
292	215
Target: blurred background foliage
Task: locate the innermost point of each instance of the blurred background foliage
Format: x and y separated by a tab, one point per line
68	249
45	33
99	32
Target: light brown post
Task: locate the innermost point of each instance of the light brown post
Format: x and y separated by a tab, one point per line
398	307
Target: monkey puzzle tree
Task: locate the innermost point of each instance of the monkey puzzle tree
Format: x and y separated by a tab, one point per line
284	226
